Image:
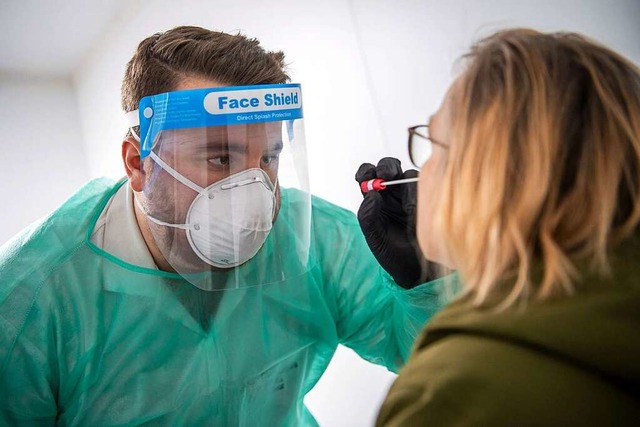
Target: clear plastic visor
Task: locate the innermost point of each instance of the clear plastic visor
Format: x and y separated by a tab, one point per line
229	206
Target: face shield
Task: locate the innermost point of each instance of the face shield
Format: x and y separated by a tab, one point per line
226	194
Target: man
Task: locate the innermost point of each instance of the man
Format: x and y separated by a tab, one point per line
207	288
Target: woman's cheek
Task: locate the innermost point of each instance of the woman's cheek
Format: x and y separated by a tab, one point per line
424	223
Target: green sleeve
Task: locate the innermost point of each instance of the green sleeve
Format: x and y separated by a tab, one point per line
25	384
375	317
27	376
32	343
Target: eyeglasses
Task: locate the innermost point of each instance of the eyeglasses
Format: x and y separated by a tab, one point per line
421	144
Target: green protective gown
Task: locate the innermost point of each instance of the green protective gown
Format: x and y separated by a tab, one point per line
87	339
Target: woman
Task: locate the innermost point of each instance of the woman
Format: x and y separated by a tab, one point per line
532	192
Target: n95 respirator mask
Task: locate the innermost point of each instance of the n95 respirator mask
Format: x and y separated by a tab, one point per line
229	221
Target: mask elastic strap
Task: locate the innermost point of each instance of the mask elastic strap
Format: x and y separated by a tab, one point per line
180	178
134	120
175	174
159	222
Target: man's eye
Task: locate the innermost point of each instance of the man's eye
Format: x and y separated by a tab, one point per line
267	160
219	161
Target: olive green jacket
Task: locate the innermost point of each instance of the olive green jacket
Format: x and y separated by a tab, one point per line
568	362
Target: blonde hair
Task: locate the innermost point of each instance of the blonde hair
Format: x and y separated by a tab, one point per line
543	168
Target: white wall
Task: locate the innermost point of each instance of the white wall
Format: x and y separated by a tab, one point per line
369	69
410	46
43	160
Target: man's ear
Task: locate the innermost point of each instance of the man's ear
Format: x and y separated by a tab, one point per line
132	163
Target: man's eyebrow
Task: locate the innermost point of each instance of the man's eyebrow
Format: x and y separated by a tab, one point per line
227	146
219	146
278	146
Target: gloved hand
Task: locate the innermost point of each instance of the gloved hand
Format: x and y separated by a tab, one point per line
388	220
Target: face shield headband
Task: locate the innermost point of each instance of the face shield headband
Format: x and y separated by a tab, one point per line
224	106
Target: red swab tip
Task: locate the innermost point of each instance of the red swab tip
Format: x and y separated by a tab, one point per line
372	185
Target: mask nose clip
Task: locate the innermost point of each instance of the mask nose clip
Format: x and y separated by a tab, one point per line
243	182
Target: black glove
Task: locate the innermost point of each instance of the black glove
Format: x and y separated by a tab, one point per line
388	220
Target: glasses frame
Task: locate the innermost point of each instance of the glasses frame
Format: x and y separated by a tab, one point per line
413	132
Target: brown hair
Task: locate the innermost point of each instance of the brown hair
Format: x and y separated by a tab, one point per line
165	58
544	162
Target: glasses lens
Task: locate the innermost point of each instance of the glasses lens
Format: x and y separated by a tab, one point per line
419	146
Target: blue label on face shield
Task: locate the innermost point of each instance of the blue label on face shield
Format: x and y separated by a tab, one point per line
224	106
253	100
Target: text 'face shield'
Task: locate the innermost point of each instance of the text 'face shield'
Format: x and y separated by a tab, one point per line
226	192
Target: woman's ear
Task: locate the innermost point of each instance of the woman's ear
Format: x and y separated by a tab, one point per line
132	163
